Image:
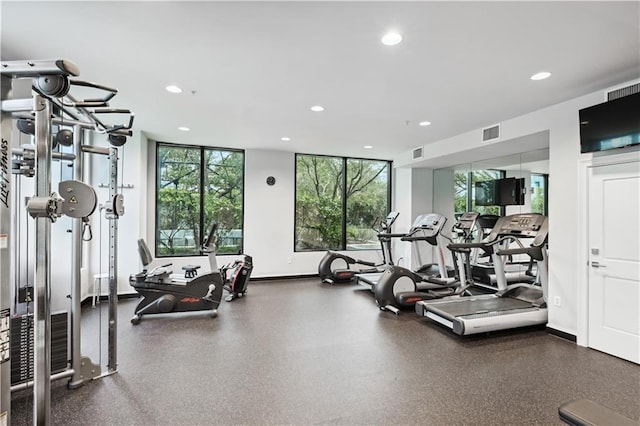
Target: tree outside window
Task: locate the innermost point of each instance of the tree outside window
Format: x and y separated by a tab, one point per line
465	187
338	200
197	186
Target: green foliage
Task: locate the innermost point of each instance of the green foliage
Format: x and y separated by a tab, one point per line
461	188
179	199
320	187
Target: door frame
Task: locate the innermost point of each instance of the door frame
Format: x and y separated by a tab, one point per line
585	165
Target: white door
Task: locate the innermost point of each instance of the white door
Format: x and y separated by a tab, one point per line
614	260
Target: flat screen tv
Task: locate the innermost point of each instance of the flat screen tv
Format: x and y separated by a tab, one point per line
485	193
511	192
610	125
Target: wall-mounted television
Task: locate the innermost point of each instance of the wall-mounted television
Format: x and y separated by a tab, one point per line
499	192
610	125
486	193
511	191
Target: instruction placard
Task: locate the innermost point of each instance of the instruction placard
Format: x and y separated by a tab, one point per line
5	350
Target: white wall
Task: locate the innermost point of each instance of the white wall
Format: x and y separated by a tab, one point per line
268	217
413	196
269	210
561	121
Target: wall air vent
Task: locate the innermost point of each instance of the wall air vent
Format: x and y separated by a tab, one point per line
417	153
623	91
491	133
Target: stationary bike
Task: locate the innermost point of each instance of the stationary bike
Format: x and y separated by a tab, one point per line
240	270
163	293
335	267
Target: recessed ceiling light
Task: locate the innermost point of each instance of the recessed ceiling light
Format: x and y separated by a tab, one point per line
184	129
367	147
424	123
285	139
541	75
317	108
391	39
173	89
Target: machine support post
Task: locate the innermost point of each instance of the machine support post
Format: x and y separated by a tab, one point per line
42	305
5	256
112	363
76	264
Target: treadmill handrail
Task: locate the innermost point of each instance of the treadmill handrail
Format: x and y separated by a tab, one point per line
421	238
389	235
510	251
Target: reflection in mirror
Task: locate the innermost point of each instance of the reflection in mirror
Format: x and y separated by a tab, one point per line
500	186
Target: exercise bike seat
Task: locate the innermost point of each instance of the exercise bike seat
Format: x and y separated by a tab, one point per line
190	271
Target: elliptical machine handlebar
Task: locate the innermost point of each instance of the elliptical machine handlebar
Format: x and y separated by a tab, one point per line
208	246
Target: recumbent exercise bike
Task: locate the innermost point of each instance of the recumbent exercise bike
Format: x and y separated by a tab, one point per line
163	293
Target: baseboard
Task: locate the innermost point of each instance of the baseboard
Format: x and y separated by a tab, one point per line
285	277
562	334
89	300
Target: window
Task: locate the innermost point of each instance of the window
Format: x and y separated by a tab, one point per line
195	187
539	193
466	186
338	200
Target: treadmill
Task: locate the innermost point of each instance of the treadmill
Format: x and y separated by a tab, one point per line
512	306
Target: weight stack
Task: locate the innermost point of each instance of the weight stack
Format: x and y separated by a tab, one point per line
22	348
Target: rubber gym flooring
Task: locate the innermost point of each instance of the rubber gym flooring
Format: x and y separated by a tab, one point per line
300	352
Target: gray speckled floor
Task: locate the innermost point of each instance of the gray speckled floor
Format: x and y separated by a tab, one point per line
298	352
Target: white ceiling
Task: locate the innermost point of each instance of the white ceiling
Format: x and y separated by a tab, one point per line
251	70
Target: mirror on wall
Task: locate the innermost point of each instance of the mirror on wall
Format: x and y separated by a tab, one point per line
505	185
499	186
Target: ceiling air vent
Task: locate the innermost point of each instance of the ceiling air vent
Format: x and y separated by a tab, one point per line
417	153
623	91
491	133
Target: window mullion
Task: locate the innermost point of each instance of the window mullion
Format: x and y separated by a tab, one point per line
344	204
202	194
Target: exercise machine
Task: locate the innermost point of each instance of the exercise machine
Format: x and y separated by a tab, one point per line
483	273
584	412
240	273
512	306
335	267
44	102
400	287
416	233
163	293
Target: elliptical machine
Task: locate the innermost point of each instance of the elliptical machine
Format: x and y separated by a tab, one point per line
334	267
401	288
237	283
163	293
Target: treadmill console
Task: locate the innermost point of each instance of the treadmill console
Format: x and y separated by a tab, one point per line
523	224
467	221
431	224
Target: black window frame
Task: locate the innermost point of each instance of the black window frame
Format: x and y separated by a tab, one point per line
545	201
203	226
344	198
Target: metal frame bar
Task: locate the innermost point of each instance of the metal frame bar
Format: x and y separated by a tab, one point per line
76	264
112	363
42	305
5	256
23	69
